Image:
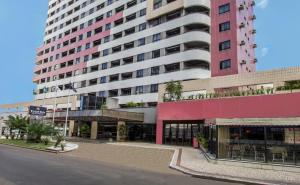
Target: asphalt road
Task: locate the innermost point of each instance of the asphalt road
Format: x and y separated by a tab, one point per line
27	167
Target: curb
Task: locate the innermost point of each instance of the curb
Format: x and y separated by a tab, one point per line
175	164
29	148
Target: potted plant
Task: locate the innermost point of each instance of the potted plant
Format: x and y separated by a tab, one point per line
84	130
122	129
203	143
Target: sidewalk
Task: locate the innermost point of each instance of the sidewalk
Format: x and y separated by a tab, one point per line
193	162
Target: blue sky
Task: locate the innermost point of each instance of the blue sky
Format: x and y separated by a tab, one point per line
22	25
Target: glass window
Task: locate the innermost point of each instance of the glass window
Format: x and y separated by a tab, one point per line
154	88
141	42
139	89
103	79
225	64
140	73
104	66
142	26
224	8
156	37
140	57
224	26
224	45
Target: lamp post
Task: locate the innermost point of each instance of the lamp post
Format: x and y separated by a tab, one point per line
67	113
55	104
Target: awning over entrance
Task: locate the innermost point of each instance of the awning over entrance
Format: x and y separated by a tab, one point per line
256	121
99	115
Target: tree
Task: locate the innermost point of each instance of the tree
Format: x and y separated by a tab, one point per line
174	89
18	123
36	130
12	125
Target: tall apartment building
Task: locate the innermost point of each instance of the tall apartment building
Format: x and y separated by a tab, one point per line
119	51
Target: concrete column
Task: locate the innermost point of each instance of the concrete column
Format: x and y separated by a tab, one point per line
159	132
71	127
120	123
94	130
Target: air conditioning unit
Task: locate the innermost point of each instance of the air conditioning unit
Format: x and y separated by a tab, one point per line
243	62
253	17
242	25
241	7
253	31
242	43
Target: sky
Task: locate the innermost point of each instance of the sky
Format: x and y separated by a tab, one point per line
22	24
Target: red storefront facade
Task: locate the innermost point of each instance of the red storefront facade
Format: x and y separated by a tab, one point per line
266	106
277	106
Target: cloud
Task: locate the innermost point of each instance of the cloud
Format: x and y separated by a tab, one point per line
263	4
264	51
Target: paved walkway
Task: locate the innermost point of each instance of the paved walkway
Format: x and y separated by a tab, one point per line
192	161
150	159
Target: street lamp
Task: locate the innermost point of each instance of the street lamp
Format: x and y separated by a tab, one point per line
55	104
67	114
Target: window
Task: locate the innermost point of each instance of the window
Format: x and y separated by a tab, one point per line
139	89
103	79
107	26
140	57
225	64
109	14
157	4
224	45
142	26
106	39
156	53
90	22
109	2
172	50
88	45
154	88
88	34
105	52
224	26
78	49
224	8
155	70
156	37
141	42
140	73
104	66
86	58
142	12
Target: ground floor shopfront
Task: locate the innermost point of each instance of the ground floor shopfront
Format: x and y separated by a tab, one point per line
257	128
109	130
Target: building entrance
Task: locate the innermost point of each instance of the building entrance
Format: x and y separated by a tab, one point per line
181	133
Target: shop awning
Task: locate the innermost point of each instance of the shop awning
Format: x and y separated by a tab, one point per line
258	121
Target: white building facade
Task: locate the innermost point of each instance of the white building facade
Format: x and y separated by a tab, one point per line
117	52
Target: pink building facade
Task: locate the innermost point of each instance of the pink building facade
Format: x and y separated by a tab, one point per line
233	40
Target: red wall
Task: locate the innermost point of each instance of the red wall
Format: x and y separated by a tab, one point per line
266	106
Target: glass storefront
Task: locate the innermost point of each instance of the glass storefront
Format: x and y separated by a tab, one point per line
141	132
181	133
271	144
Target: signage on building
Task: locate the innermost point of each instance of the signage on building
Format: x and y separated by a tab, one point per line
37	111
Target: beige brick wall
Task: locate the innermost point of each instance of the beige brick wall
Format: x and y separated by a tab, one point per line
276	77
